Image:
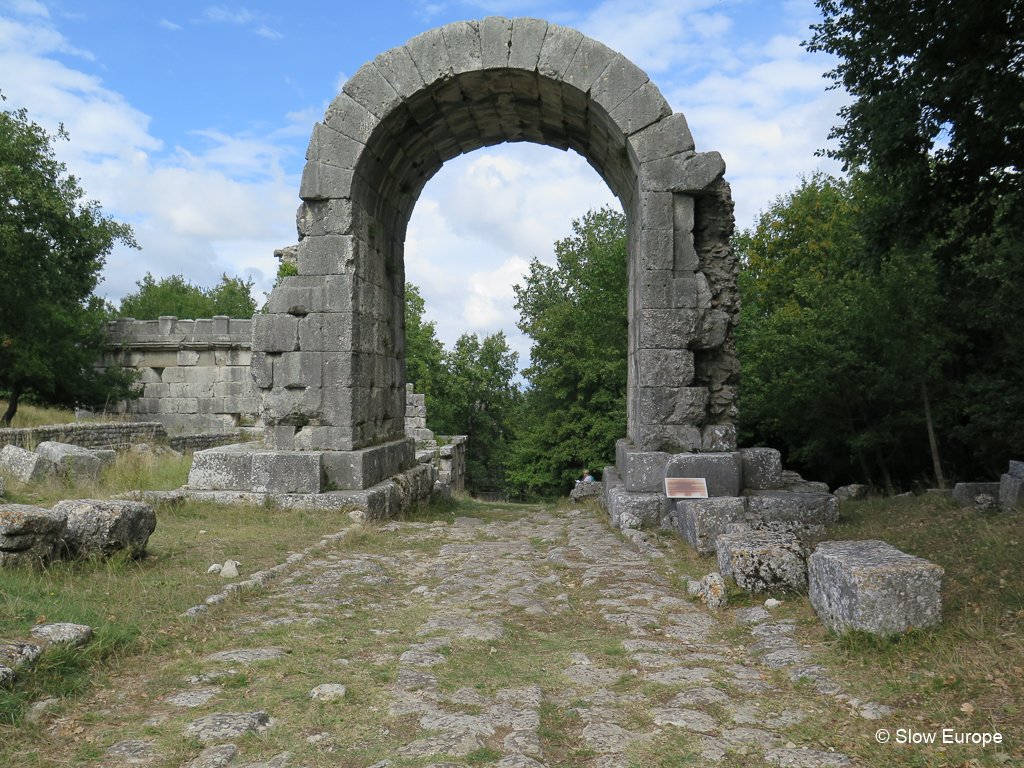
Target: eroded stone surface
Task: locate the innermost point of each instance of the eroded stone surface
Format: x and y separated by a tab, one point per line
226	725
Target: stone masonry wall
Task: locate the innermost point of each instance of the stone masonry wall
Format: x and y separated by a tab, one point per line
116	435
195	373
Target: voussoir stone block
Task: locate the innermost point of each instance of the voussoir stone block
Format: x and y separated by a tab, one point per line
29	535
720	470
26	466
702	521
873	587
99	528
763	561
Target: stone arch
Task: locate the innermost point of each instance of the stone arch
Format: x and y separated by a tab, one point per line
329	353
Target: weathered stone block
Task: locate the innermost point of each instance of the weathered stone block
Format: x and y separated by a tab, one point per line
327	255
812	508
667	437
665	367
73	462
557	51
98	528
873	587
762	561
526	43
667	137
853	492
641	471
762	468
363	468
297	370
719	438
584	490
1011	492
275	333
325	438
966	493
26	466
227	468
286	472
720	470
702	521
280	438
673	405
28	535
634	510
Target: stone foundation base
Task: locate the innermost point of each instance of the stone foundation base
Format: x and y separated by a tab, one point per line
385	500
251	467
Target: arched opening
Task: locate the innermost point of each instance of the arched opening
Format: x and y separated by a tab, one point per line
329	355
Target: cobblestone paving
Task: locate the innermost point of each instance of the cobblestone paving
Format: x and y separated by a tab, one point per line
465	620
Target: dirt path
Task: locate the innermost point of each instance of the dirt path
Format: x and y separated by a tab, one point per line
537	638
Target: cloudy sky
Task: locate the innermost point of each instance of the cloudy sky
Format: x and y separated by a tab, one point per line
190	120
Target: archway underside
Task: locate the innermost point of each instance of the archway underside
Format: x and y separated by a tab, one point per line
329	354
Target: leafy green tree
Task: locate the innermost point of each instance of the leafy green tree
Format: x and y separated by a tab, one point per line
936	135
480	400
52	248
837	356
177	297
575	408
424	354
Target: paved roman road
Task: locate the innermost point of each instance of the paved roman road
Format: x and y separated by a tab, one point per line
540	639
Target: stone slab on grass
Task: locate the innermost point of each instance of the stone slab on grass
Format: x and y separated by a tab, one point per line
966	493
1011	488
26	466
73	462
99	528
873	587
762	468
29	535
763	561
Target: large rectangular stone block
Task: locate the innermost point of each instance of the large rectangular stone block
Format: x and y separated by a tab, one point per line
762	468
641	471
671	438
667	328
286	472
328	255
355	470
702	521
665	367
873	587
673	405
227	468
328	332
783	506
667	137
1011	491
763	561
273	333
966	493
296	370
627	509
720	470
321	438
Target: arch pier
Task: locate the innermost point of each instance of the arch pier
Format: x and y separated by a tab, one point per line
329	354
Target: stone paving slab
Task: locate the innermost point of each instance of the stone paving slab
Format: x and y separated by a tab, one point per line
676	673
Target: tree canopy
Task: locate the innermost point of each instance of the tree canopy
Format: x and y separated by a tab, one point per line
53	245
175	296
575	313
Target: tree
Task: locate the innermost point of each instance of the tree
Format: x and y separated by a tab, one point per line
179	298
424	353
837	356
479	401
936	135
575	408
52	248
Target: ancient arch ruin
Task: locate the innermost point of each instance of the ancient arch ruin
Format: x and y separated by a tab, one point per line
328	357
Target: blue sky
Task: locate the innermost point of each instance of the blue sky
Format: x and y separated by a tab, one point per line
190	121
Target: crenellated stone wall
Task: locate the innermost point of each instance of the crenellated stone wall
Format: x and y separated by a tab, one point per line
195	373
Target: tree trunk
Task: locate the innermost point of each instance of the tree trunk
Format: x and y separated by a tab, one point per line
931	436
12	405
885	473
864	469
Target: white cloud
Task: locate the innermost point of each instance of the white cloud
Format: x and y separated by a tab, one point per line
27	8
223	208
222	13
169	25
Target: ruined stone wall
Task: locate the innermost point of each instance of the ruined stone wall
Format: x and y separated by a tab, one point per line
195	373
115	435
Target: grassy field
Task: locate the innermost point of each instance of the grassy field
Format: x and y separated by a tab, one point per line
967	674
